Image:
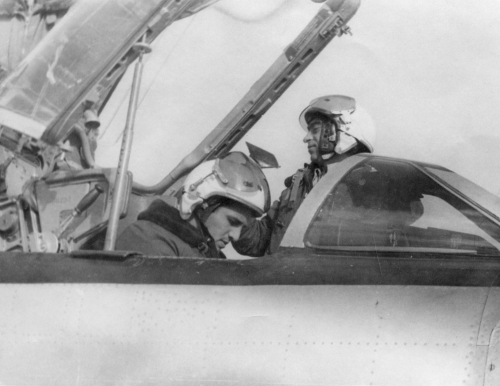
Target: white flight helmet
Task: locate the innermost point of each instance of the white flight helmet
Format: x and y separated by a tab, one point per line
234	176
351	122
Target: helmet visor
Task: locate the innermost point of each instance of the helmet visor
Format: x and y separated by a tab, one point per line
330	105
235	173
240	174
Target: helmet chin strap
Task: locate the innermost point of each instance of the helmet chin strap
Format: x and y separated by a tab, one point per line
201	215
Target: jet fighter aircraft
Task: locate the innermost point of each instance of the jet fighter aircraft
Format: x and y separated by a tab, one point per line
387	275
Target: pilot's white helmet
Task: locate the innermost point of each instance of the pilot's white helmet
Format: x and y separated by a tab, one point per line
350	119
234	176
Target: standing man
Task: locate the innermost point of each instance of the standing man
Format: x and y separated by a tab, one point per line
336	129
218	198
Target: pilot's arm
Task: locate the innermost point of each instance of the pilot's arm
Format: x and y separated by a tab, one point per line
255	237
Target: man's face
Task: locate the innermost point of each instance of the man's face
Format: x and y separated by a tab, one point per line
312	138
225	223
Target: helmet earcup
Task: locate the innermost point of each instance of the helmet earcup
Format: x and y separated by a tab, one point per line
327	138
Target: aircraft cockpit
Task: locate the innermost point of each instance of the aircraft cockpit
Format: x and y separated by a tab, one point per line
57	200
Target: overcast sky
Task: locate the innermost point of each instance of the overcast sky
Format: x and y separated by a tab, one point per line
426	71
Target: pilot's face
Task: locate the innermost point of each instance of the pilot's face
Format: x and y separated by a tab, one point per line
312	138
225	223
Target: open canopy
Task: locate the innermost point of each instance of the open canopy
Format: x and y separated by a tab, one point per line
40	96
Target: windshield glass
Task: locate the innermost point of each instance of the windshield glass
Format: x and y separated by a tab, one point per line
481	196
67	61
391	205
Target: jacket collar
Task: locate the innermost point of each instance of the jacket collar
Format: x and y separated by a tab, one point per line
169	218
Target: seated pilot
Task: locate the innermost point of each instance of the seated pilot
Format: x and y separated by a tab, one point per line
218	198
336	127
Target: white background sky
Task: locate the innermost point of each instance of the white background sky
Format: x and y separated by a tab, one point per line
428	72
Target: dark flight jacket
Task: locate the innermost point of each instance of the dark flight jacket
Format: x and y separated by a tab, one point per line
160	231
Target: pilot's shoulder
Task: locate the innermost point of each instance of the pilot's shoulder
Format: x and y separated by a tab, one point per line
152	239
289	180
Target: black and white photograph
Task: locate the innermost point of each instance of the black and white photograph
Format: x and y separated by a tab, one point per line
249	192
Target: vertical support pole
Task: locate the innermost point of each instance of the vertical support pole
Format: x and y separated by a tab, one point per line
121	172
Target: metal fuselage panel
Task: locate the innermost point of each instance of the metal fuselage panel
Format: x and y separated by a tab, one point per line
103	334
